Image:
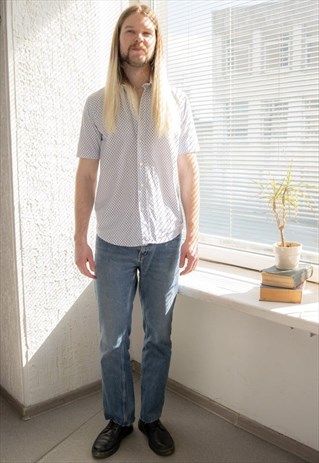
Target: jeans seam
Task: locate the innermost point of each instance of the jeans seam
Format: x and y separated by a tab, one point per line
123	383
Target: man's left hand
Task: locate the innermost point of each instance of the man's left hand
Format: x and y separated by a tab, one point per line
189	257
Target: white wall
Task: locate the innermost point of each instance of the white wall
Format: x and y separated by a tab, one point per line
57	56
262	370
10	358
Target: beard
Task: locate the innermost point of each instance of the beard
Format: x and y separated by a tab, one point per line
137	62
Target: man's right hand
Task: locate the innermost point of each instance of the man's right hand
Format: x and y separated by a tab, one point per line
84	260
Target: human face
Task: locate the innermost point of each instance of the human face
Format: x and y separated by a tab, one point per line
137	40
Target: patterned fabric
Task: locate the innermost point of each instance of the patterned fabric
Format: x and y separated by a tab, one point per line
137	199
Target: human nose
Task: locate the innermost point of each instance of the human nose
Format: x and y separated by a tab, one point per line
139	38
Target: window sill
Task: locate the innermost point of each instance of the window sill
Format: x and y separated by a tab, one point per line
238	289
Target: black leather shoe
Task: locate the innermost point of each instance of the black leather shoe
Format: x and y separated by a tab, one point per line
159	439
108	441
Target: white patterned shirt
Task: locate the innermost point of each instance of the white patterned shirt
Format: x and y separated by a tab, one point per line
138	196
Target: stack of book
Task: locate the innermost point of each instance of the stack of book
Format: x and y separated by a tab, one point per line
284	285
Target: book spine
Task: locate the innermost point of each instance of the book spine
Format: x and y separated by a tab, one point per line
292	296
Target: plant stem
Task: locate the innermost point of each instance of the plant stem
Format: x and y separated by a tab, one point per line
280	226
282	236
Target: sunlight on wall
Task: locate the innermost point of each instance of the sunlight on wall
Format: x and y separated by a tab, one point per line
59	53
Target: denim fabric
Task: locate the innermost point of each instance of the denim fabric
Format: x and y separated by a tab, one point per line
120	270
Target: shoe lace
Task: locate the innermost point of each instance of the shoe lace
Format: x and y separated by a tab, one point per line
154	425
111	426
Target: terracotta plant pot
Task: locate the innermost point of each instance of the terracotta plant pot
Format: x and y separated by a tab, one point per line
287	258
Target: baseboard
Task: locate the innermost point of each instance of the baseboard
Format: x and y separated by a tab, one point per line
269	435
273	437
27	412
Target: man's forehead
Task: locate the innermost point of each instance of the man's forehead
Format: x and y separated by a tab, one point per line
138	19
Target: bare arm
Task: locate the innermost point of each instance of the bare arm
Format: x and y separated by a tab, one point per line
85	186
189	187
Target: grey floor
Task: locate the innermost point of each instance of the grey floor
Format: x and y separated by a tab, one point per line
65	435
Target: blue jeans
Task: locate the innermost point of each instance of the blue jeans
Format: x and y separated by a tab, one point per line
119	270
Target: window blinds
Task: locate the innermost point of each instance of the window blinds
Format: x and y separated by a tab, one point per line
250	70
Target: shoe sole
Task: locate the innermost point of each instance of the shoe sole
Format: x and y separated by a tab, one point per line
108	453
162	453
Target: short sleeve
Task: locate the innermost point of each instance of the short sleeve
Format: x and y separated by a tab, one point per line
188	142
89	144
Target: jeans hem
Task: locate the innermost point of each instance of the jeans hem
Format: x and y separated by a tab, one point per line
116	421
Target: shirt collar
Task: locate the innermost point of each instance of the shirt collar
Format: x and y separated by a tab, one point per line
147	85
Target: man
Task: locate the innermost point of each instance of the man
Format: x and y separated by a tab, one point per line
140	134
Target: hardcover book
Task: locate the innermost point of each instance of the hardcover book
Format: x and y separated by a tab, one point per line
275	294
286	278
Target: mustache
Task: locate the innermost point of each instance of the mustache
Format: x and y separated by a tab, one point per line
136	45
132	47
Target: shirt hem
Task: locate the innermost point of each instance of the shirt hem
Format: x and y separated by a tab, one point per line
122	243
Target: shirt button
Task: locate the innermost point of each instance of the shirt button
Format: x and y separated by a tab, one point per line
142	185
141	164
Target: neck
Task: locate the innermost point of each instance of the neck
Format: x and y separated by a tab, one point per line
136	76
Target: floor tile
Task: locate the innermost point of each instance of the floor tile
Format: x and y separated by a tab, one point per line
27	441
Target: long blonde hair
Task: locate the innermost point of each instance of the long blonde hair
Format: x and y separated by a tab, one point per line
162	98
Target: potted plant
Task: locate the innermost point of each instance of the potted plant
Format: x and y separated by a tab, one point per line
284	197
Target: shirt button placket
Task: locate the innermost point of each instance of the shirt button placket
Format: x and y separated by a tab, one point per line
141	177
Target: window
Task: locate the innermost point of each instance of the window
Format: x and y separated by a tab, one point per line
237	56
237	119
276	52
311	117
249	70
275	118
311	43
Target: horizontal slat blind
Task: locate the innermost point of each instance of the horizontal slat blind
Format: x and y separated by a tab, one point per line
250	69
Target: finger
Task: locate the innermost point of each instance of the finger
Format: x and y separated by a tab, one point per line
85	271
182	260
91	264
90	268
89	274
191	265
188	267
186	270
